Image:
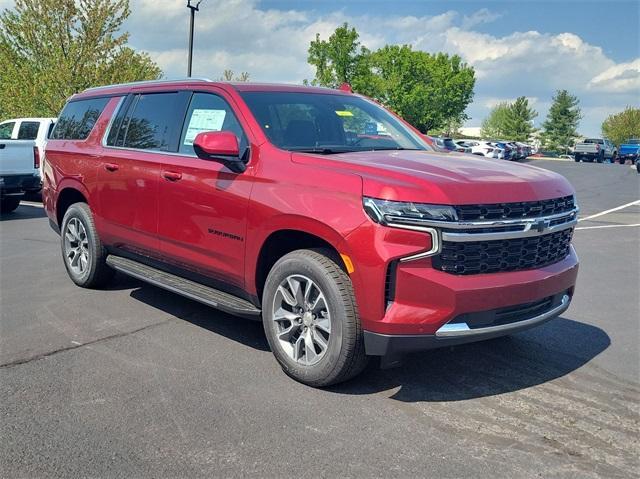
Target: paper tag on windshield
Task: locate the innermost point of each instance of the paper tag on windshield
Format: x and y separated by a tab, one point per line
204	120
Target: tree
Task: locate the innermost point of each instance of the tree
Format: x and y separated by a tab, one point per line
518	124
229	75
429	91
511	121
622	126
494	125
341	59
560	127
51	49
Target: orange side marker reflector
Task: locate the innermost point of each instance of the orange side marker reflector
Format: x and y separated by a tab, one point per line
348	263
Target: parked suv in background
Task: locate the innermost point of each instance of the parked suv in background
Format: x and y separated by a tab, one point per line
316	210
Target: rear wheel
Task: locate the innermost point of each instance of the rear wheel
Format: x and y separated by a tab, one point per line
600	158
311	320
576	159
83	253
8	204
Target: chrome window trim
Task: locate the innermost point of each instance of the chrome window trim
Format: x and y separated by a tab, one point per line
107	130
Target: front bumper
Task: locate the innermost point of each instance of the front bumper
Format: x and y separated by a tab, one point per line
471	327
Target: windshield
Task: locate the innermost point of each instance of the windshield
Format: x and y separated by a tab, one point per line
329	123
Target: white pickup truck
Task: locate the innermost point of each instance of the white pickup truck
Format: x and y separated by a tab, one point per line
595	149
22	144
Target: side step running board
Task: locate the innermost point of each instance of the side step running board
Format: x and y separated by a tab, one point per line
204	294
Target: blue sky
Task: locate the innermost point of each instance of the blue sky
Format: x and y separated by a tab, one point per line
530	48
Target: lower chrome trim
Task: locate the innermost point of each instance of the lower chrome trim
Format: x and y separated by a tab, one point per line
463	330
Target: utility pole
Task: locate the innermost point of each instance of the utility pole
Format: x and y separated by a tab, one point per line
194	9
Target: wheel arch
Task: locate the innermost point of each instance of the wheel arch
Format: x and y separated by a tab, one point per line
284	240
66	197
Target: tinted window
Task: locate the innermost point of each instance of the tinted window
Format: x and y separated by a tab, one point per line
152	122
209	112
6	129
329	123
593	140
28	130
78	118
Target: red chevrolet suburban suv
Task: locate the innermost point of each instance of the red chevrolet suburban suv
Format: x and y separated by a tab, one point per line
316	210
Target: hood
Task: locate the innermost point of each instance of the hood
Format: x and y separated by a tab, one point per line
444	178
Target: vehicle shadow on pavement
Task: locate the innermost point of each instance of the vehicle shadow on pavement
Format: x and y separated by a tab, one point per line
241	330
486	368
24	212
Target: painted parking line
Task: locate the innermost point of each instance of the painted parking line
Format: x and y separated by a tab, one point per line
606	212
605	226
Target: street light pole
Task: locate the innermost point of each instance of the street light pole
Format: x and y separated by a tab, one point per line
194	9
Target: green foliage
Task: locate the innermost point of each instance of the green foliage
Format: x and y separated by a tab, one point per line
622	126
519	118
560	127
511	121
494	125
229	75
341	59
429	91
51	49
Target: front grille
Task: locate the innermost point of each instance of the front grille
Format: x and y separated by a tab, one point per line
476	257
505	211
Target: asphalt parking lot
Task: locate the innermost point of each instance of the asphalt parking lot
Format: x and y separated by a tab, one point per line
137	382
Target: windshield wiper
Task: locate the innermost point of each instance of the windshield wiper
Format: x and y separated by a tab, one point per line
395	148
319	150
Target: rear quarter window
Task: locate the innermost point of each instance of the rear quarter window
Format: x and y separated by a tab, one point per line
78	119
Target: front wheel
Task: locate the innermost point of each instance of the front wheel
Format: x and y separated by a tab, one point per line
9	204
311	320
82	251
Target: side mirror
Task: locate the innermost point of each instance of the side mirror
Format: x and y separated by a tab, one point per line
220	146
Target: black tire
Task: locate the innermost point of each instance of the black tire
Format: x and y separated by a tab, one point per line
96	272
600	158
344	356
8	204
576	159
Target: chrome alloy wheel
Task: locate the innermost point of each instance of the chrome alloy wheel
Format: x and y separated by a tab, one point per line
303	323
76	246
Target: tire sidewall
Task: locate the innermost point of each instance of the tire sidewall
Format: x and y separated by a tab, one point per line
307	266
83	214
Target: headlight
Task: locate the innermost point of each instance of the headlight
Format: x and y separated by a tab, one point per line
400	212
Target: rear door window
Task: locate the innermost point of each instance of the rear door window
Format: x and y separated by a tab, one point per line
78	119
6	129
28	130
152	122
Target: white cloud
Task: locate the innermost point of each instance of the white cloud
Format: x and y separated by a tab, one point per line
620	78
483	15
